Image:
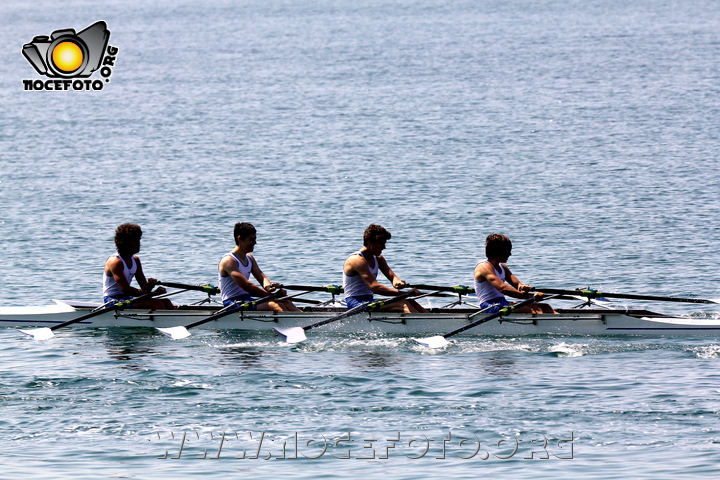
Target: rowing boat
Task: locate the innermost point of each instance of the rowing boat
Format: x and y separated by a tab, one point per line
572	321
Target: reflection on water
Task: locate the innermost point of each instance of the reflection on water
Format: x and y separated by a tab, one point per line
499	366
371	360
245	358
128	345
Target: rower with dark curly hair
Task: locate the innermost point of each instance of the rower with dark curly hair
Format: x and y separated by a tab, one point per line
122	267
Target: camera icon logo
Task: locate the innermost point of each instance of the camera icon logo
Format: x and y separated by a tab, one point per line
67	54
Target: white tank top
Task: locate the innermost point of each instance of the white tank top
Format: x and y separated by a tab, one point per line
228	288
485	291
110	286
354	285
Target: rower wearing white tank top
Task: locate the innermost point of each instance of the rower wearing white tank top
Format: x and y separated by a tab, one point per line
124	266
360	274
235	269
494	280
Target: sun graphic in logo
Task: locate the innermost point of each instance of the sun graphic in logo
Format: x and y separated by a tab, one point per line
67	56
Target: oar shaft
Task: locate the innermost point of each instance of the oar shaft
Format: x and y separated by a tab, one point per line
503	312
359	309
310	288
238	307
212	290
301	300
590	293
352	311
460	289
121	305
430	294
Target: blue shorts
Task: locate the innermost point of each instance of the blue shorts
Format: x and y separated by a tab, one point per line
353	302
119	298
498	302
245	297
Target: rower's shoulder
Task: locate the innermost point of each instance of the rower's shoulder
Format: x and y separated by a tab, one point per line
112	263
116	259
355	261
228	260
482	269
354	257
482	265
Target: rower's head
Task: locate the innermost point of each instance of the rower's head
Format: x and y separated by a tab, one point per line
498	246
245	233
127	238
376	236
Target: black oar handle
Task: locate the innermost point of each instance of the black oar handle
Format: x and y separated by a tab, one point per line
311	288
501	313
234	309
460	289
367	306
119	305
210	289
591	293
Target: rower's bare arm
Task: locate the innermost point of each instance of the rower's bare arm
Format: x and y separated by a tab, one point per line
146	285
228	267
358	265
140	277
396	281
485	271
521	287
262	279
515	282
114	267
246	285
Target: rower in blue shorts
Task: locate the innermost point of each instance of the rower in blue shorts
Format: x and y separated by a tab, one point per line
122	267
360	274
235	269
494	280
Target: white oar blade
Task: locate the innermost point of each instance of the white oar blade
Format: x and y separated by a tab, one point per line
176	333
39	333
433	342
291	334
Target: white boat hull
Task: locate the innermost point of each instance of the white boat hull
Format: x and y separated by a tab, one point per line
569	322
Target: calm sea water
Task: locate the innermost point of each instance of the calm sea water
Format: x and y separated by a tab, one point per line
587	131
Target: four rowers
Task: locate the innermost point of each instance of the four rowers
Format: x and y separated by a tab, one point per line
493	279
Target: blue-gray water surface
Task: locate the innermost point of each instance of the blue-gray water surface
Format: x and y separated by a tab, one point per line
586	131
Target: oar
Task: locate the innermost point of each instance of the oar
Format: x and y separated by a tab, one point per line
176	333
334	289
440	341
459	289
45	333
297	334
209	289
591	293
